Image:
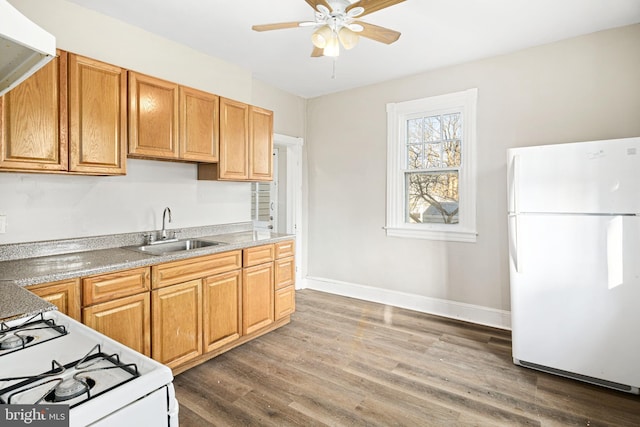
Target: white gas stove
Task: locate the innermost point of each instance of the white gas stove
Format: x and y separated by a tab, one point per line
51	359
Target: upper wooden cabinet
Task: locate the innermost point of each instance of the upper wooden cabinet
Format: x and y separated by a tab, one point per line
246	144
153	117
33	121
97	117
198	125
68	117
260	144
168	121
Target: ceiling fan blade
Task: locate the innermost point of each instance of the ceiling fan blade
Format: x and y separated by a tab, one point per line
371	6
317	52
314	4
379	34
278	26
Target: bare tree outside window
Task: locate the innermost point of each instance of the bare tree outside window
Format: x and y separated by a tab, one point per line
433	161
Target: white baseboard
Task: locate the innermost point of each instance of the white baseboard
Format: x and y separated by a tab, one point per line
452	309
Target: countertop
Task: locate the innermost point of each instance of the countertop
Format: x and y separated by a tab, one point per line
27	264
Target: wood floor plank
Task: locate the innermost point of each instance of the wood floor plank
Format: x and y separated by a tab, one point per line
346	362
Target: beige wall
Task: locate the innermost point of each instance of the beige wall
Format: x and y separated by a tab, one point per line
586	88
45	206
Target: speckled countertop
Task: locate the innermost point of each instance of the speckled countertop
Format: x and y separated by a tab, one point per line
27	264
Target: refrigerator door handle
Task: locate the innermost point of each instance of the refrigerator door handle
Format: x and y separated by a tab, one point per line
513	241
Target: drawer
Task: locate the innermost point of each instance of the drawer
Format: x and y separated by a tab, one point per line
258	255
195	268
284	272
106	287
285	249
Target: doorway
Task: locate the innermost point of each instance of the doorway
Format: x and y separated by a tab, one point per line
276	206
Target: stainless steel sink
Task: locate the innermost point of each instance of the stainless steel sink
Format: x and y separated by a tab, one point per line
165	248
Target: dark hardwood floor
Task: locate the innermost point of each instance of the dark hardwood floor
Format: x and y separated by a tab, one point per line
346	362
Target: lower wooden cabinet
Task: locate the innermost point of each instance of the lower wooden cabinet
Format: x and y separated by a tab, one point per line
126	320
222	309
64	294
257	297
177	323
118	305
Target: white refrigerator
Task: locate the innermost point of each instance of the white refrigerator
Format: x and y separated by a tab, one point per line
574	246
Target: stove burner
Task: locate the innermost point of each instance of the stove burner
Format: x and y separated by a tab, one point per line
15	341
70	388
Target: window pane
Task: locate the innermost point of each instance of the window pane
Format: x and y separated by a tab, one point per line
451	153
451	126
414	131
432	197
414	156
432	128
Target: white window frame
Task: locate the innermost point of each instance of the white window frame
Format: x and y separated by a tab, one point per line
397	116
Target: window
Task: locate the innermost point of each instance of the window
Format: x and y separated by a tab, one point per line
431	167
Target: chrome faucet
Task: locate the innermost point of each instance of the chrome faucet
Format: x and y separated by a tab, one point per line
163	235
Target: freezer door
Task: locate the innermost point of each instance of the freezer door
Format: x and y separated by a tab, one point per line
587	177
575	299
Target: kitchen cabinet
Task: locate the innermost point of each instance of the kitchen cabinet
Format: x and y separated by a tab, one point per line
222	308
118	305
97	117
68	117
284	278
199	118
153	117
177	323
246	144
260	144
257	288
64	294
195	306
171	122
126	320
33	121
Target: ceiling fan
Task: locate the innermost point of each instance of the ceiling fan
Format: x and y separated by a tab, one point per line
337	25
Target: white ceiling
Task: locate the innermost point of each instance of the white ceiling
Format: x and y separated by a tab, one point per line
435	33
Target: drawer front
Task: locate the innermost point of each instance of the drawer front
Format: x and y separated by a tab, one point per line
284	272
285	302
285	249
106	287
258	255
195	268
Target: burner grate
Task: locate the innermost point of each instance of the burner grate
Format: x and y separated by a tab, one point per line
32	331
74	383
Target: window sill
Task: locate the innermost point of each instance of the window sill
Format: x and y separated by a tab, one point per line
451	236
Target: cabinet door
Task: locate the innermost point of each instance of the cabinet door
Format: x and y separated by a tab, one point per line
153	117
33	121
97	117
257	297
64	294
222	309
126	320
234	140
177	323
260	144
284	274
285	302
199	124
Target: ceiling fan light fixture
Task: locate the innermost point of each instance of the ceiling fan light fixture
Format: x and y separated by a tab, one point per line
348	38
333	46
320	37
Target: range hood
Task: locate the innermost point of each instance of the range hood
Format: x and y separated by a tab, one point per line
24	47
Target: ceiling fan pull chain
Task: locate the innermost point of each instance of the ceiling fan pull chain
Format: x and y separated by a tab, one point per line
333	75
